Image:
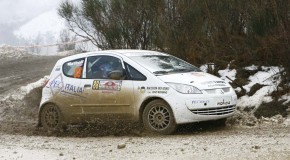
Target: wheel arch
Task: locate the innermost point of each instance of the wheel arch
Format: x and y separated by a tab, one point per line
41	108
144	104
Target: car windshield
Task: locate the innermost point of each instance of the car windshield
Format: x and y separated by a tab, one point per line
163	64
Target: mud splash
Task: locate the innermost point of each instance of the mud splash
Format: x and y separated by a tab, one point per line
19	115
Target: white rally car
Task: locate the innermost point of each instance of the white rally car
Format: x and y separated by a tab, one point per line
155	88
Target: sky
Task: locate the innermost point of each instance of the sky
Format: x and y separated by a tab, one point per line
14	13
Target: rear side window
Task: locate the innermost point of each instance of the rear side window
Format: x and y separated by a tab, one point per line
134	74
73	68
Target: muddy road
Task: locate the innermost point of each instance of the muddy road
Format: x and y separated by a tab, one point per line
20	139
18	72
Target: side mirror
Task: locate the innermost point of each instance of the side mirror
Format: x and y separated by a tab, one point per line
116	75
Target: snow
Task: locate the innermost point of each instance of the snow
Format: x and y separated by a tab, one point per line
20	93
251	68
203	68
264	77
257	99
285	97
231	73
44	29
267	77
28	88
12	105
7	51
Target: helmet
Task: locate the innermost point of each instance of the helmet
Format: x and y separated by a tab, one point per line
106	68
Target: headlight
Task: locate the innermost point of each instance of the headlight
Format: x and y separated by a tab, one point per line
185	89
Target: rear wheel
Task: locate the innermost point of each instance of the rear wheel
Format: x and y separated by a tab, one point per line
158	117
51	118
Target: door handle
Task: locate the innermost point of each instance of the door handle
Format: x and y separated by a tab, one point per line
87	86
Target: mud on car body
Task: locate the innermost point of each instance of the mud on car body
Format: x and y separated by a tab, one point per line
155	88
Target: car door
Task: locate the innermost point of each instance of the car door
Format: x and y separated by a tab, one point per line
102	94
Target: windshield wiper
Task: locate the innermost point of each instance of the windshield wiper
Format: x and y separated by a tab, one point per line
183	70
160	72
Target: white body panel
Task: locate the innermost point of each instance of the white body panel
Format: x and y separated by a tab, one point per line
78	97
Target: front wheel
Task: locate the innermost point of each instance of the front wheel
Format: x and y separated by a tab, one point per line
51	117
158	117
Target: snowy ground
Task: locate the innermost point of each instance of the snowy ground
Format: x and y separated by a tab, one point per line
244	136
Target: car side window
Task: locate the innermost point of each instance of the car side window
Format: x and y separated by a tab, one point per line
134	74
100	67
73	68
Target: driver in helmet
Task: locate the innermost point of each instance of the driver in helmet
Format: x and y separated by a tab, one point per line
106	68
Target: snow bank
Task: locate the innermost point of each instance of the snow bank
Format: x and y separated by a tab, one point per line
7	51
22	104
231	73
285	97
268	76
20	93
257	99
28	88
270	80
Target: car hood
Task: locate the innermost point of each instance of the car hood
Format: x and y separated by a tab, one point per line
200	80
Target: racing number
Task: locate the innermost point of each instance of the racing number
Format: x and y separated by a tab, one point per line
95	85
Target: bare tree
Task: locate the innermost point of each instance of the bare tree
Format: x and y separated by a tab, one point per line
67	41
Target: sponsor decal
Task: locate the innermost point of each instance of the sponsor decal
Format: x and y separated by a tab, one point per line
57	68
107	85
223	103
142	89
158	90
95	85
56	84
199	101
214	83
72	88
76	63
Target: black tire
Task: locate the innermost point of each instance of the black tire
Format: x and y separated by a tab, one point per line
158	117
51	118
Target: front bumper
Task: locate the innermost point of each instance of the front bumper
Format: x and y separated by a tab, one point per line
201	107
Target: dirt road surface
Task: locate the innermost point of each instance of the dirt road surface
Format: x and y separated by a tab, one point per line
22	140
19	72
267	142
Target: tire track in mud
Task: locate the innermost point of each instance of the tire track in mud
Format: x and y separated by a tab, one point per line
19	72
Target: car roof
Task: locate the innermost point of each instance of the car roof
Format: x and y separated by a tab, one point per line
128	52
119	52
